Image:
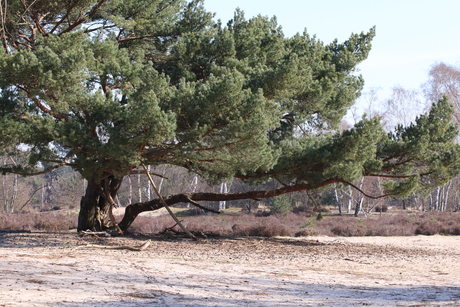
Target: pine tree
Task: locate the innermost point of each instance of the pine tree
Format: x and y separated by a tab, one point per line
107	86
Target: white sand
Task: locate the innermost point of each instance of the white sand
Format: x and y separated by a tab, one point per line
47	270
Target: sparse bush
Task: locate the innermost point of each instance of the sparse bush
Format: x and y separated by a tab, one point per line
381	208
303	209
262	213
306	232
427	228
280	204
321	209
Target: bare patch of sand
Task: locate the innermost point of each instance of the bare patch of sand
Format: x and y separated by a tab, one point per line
46	269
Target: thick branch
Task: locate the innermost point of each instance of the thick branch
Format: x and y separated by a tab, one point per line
133	210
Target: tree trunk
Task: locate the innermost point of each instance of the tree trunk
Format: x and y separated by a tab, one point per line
147	187
130	191
94	206
436	200
446	196
360	199
223	190
337	200
350	199
139	187
359	206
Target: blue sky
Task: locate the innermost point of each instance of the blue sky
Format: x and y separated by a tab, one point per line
411	35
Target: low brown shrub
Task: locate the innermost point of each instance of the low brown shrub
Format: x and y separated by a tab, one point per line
305	209
306	232
321	209
49	221
382	208
289	224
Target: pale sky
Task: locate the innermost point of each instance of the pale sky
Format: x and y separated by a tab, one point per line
411	35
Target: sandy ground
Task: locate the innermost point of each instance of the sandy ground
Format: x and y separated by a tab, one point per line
53	269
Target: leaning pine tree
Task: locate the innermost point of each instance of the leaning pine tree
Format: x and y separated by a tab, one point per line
108	86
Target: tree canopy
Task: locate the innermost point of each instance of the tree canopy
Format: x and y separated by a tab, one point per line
106	86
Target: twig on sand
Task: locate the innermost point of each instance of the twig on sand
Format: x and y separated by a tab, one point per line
141	248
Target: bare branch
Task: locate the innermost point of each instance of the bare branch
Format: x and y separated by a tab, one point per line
361	191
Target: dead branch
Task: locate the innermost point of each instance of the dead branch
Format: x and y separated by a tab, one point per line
143	247
166	205
95	233
170	229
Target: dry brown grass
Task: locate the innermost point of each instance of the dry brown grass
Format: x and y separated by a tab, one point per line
44	221
290	224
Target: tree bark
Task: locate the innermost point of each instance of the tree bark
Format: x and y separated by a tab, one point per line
359	200
337	200
94	206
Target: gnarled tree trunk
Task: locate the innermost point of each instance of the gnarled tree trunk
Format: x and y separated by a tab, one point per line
95	206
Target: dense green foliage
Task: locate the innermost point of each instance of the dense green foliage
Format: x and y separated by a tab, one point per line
105	86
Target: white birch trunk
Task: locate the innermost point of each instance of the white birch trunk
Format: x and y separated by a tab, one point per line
162	180
337	199
147	190
139	187
446	196
4	192
130	191
193	185
223	190
14	194
360	199
430	208
436	199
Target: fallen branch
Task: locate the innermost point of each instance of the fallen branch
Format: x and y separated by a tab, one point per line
141	248
95	233
171	229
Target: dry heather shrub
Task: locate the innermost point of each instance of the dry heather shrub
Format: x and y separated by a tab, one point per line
214	225
430	228
289	224
50	221
269	226
349	230
387	225
150	224
438	223
307	232
226	225
381	208
305	209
